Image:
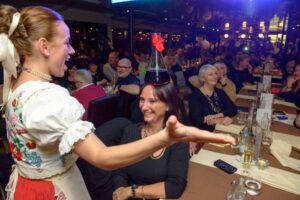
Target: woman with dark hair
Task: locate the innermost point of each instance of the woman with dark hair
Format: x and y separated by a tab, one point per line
289	90
168	180
68	80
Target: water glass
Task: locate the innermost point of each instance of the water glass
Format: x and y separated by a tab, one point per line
237	138
242	118
237	190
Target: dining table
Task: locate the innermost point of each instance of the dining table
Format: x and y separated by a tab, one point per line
207	182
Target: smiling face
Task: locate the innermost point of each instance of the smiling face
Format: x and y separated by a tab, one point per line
59	50
211	77
152	108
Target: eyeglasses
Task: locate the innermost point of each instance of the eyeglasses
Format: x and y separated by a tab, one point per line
123	67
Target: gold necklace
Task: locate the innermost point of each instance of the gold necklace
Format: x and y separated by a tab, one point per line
146	134
41	75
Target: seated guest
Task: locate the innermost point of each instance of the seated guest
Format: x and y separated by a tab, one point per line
171	64
209	105
86	91
289	91
126	81
169	178
224	82
297	103
241	74
97	75
110	68
68	80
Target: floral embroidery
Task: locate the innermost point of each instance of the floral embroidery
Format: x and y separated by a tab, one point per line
34	159
21	150
14	102
21	131
13	119
16	152
30	144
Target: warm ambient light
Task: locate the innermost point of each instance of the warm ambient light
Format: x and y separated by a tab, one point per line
243	36
226	35
227	25
260	35
244	25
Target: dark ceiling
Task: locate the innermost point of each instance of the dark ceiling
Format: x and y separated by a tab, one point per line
192	13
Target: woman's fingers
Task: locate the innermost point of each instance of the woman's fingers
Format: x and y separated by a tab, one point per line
180	132
217	138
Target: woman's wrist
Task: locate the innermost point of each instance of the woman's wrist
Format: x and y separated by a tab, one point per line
140	193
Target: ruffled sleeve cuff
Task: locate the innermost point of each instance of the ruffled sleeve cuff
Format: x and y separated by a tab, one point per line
75	132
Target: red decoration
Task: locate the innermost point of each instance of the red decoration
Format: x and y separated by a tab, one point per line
16	152
30	144
158	42
14	102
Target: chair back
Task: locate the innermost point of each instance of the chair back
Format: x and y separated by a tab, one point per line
102	109
127	100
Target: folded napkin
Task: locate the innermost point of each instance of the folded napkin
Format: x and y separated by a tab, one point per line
282	150
291	139
274	177
243	96
232	128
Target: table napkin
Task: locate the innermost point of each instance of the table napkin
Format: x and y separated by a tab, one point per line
232	128
282	150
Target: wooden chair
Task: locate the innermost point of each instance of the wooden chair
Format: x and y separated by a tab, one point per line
102	109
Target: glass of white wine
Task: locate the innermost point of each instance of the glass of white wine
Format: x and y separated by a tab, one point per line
247	157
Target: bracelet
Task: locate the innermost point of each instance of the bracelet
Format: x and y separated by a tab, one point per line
133	188
119	87
143	194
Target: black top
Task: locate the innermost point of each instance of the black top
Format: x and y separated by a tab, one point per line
171	168
100	182
291	96
201	105
130	79
239	77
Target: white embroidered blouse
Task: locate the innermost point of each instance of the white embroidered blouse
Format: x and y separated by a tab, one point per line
43	123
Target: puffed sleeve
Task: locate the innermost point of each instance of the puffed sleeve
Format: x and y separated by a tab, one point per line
52	115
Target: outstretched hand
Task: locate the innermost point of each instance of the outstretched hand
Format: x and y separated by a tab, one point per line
179	132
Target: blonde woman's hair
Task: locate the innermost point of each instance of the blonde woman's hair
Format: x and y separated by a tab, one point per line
35	22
